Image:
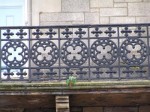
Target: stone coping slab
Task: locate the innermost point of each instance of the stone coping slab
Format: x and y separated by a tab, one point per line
57	88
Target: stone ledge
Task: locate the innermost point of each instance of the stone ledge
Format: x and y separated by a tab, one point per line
56	88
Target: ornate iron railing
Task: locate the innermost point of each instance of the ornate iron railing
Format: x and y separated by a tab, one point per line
89	52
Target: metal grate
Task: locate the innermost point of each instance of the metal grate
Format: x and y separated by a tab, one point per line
89	52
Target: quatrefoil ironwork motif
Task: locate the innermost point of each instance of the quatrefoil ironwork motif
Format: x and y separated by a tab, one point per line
15	54
133	51
44	53
104	52
74	52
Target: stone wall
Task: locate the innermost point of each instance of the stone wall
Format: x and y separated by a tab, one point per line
62	12
112	109
83	109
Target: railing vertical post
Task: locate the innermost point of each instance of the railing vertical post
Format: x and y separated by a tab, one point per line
119	67
30	43
148	44
89	54
59	47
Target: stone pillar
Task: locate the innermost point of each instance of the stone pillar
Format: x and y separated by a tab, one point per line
62	104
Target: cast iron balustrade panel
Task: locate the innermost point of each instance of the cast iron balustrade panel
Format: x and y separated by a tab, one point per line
89	52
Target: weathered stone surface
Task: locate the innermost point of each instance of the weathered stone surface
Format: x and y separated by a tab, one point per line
92	109
119	0
138	9
47	23
121	20
133	0
120	5
61	17
94	10
142	19
144	108
75	5
11	110
76	109
105	3
94	3
113	12
27	101
39	110
91	18
101	3
33	110
121	109
99	100
146	0
39	6
104	20
46	5
77	22
127	0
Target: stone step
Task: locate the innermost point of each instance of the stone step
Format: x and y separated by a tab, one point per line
62	103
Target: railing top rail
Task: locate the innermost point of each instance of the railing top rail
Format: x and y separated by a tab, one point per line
72	26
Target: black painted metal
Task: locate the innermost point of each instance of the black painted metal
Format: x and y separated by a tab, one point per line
89	52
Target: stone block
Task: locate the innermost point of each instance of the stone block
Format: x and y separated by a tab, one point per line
62	103
101	3
105	3
94	10
46	5
142	19
121	20
48	23
92	109
119	0
39	6
121	109
104	20
146	0
75	5
113	12
133	0
91	18
138	9
77	22
76	109
94	3
144	108
120	5
11	110
66	17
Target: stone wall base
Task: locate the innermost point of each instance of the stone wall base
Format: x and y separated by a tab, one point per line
83	109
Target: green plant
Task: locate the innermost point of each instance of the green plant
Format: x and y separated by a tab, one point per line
71	81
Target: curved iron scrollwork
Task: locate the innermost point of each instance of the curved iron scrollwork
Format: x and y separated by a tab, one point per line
44	53
104	52
15	54
74	52
133	51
